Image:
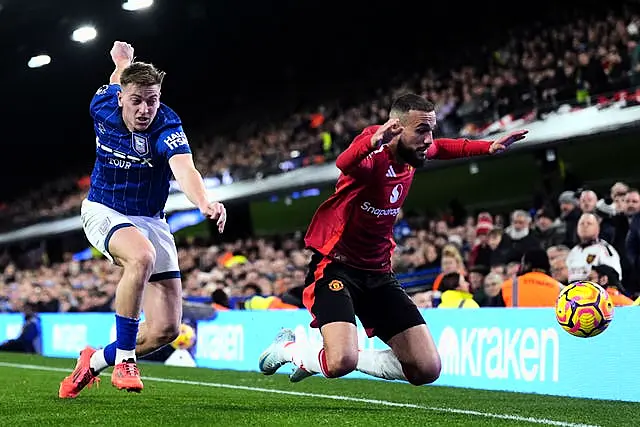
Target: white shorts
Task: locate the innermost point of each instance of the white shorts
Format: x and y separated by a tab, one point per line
99	222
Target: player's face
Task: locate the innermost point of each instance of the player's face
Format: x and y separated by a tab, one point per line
139	105
416	137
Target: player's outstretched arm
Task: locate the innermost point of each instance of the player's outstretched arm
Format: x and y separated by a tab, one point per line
192	186
122	56
445	148
369	140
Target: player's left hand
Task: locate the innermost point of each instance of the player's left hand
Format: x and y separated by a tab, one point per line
216	211
503	143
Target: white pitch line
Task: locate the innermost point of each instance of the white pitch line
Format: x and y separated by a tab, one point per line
510	417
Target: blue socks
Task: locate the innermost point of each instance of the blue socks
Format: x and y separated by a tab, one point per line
124	348
126	333
110	354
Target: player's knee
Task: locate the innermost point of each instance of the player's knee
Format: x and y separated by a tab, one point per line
142	261
341	364
423	372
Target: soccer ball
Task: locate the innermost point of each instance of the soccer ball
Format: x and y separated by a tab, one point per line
186	339
584	309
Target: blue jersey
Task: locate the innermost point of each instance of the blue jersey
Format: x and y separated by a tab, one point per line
132	174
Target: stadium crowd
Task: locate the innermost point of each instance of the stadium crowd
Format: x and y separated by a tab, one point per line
572	239
534	72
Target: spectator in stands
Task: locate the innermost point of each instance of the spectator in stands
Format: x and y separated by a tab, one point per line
431	257
618	194
534	286
220	300
570	214
631	205
456	292
477	273
500	248
619	213
423	299
632	242
559	270
625	203
452	262
559	251
587	202
401	228
520	236
608	278
491	289
481	251
258	302
591	250
547	230
29	339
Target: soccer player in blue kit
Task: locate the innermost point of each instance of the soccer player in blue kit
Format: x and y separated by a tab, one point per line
140	143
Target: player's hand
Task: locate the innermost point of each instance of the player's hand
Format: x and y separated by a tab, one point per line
122	54
216	211
386	133
503	143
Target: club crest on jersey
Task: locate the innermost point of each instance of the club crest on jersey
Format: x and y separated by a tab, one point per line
336	285
396	193
590	258
140	144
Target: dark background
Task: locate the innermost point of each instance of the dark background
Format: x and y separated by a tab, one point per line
228	62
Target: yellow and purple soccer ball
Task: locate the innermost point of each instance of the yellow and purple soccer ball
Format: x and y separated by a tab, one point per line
186	339
584	309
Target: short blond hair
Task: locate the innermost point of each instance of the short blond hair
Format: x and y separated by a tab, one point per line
142	74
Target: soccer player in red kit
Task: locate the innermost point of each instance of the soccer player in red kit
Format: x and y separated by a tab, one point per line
351	238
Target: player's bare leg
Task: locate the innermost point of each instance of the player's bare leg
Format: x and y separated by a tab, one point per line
162	305
413	357
336	357
135	253
339	355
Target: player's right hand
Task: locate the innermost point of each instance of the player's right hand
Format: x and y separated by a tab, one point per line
386	133
122	54
217	212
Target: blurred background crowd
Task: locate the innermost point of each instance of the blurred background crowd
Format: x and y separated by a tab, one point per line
576	234
485	251
535	72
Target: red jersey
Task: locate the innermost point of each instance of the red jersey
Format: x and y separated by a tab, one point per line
355	224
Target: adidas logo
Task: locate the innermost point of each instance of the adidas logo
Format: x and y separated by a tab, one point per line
391	173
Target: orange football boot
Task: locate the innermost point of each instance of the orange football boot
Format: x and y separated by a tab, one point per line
81	377
126	376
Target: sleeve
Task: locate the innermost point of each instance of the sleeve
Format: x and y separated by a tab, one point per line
447	149
610	257
104	101
355	160
172	141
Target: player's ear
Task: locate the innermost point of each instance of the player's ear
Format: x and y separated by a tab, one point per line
119	99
